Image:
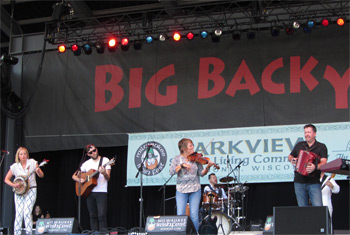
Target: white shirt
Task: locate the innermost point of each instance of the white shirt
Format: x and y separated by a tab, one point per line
102	183
208	189
327	194
18	170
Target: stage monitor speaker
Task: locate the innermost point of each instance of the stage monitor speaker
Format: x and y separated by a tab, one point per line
172	225
301	220
57	226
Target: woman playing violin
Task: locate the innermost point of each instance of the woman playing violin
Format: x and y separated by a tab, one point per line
188	187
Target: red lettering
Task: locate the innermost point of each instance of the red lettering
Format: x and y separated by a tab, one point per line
305	74
340	85
235	85
101	86
152	91
135	83
266	78
205	76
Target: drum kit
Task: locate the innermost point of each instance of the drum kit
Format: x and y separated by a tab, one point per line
230	211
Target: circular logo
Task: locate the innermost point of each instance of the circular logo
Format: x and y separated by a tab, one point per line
153	157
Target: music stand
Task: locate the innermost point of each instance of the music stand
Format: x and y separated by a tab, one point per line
163	187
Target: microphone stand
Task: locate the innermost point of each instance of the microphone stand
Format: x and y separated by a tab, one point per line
141	184
163	187
79	190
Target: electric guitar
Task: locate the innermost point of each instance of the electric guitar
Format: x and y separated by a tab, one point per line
23	181
90	181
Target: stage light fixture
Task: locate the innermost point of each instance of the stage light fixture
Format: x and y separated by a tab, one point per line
76	49
204	34
61	48
216	35
296	25
100	47
340	21
125	44
125	41
87	48
236	35
149	39
190	36
8	59
251	35
325	22
289	30
275	31
163	37
310	24
112	44
137	44
176	36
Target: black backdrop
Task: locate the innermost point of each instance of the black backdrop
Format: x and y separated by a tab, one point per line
56	193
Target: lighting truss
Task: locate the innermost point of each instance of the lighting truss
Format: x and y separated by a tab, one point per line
228	15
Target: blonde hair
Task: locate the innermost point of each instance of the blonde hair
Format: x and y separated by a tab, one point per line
183	144
17	153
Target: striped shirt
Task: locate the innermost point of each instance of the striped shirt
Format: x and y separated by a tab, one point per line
187	180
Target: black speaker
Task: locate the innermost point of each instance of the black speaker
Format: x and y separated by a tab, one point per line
301	220
57	226
172	225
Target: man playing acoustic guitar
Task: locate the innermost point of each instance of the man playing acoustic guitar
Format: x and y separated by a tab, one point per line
96	200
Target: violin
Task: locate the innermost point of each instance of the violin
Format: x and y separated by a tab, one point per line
198	157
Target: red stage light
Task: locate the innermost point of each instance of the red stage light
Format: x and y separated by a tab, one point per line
190	36
176	36
75	47
61	48
325	22
112	42
125	41
340	21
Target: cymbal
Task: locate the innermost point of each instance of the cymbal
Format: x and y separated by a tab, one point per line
226	179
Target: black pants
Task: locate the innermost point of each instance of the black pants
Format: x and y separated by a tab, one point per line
97	206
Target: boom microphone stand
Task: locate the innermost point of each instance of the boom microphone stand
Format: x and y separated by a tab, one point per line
141	184
163	187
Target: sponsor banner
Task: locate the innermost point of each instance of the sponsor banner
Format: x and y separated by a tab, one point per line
249	155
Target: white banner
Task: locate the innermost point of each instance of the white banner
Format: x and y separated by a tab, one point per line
262	151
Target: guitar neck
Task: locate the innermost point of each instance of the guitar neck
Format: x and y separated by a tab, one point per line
96	172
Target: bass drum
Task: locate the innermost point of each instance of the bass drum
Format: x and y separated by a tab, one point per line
223	222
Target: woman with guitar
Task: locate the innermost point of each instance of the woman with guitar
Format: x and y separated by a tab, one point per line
189	166
24	187
94	186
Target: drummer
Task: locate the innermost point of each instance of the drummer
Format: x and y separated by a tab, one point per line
213	187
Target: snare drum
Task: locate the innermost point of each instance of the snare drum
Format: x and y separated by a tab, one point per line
210	198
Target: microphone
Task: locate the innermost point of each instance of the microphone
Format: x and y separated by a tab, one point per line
227	160
240	163
4	151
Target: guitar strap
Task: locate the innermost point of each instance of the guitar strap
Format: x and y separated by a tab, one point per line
100	164
220	192
323	182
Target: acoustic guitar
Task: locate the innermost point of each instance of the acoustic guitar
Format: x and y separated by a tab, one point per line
23	181
90	181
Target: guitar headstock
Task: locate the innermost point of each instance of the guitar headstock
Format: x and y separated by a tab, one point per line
112	161
44	162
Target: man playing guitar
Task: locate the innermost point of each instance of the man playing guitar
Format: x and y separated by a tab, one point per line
97	200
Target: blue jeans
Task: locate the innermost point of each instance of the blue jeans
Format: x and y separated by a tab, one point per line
304	192
97	206
194	199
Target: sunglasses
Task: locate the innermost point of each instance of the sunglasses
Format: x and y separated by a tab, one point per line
92	151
